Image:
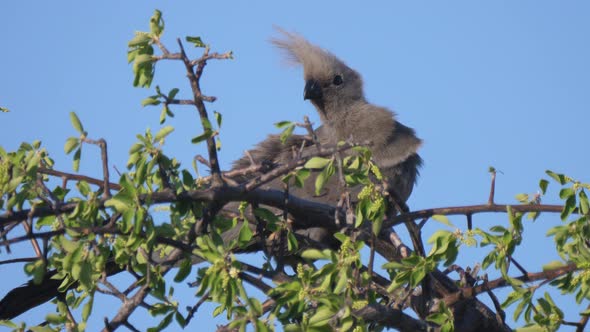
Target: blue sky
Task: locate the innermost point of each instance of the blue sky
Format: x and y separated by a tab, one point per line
501	84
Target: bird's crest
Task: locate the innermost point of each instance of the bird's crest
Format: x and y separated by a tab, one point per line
316	62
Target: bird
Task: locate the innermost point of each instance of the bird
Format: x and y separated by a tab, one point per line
336	91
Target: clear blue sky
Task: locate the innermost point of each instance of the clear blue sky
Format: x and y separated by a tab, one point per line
502	83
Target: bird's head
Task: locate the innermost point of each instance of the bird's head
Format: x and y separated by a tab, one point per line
329	83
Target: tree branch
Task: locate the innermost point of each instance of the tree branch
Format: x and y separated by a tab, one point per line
393	318
471	292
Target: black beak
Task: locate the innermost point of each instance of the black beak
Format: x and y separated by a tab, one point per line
312	90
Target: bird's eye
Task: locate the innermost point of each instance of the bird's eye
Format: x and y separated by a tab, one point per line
337	80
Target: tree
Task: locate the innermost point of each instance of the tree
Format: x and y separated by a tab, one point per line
101	228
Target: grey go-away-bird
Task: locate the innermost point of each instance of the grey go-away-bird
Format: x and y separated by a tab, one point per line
336	91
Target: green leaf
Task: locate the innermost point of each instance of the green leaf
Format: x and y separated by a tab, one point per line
77	156
143	59
562	179
206	124
196	41
218	118
180	319
569	207
566	193
531	328
442	219
141	38
117	202
87	309
553	265
129	191
300	176
341	283
266	214
314	254
86	274
163	133
202	137
522	198
321	317
152	100
341	237
184	270
83	188
584	203
172	94
55	319
4	110
37	270
261	326
33	162
159	309
376	226
283	124
416	276
165	111
543	184
139	219
245	234
437	318
163	324
287	133
71	144
157	23
76	123
136	148
9	324
292	244
317	163
323	177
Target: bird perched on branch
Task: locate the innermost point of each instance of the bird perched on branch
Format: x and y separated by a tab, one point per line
336	91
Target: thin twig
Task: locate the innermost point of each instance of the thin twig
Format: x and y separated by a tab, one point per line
194	77
499	312
178	101
71	320
583	321
518	266
193	310
102	144
130	326
309	127
129	305
105	167
372	253
28	229
255	282
19	260
492	187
